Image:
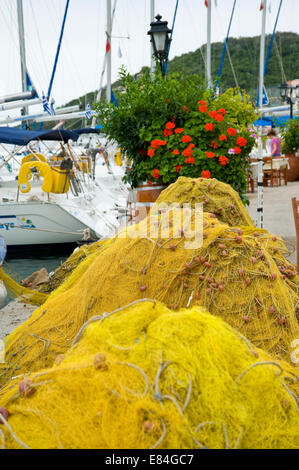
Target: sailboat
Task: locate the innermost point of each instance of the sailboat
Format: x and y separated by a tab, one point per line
90	206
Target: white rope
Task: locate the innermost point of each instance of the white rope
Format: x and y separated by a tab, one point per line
13	434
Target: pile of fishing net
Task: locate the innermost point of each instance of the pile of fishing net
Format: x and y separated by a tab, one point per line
232	274
66	268
147	377
217	198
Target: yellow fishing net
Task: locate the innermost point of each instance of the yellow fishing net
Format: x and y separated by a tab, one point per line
24	294
232	274
217	198
147	377
66	268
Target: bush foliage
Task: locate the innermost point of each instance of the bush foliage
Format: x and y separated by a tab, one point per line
161	126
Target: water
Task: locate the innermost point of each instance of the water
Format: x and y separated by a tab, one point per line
21	265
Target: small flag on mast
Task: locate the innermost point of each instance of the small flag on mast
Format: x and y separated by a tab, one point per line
107	46
206	3
261	6
88	111
119	52
53	112
46	104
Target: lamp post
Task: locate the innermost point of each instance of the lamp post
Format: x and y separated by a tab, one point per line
160	40
287	95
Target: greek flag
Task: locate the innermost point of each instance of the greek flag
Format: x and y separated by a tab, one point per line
88	111
52	107
46	104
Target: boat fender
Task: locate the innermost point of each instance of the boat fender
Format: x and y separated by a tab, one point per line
118	159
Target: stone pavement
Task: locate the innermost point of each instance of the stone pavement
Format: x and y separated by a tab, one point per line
278	213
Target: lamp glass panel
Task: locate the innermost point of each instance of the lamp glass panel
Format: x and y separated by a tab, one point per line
283	91
160	39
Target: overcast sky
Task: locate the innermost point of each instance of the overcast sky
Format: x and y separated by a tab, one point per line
83	46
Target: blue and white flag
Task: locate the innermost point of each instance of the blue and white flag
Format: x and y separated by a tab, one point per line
119	52
88	111
46	104
53	112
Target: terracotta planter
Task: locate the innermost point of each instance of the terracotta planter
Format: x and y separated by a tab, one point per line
293	171
146	197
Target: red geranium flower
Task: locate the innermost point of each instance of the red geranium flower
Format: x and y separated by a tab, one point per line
231	131
191	146
155	143
176	152
170	125
167	132
190	160
222	111
210	154
177	168
185	108
205	174
149	183
241	141
237	150
151	152
186	139
219	117
214	144
212	114
202	108
209	126
156	173
223	160
223	137
187	152
202	102
179	130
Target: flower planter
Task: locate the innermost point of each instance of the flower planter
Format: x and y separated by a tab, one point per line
293	171
146	197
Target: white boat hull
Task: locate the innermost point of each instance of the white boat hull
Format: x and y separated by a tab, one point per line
38	223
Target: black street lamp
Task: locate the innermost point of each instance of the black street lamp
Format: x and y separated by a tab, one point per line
287	95
160	39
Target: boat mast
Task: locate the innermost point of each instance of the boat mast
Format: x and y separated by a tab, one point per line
208	58
109	27
22	49
260	149
152	13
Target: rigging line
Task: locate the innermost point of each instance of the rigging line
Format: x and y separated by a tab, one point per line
283	75
171	34
29	53
58	48
14	40
69	56
195	28
98	96
272	39
270	46
97	42
225	44
233	70
39	39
